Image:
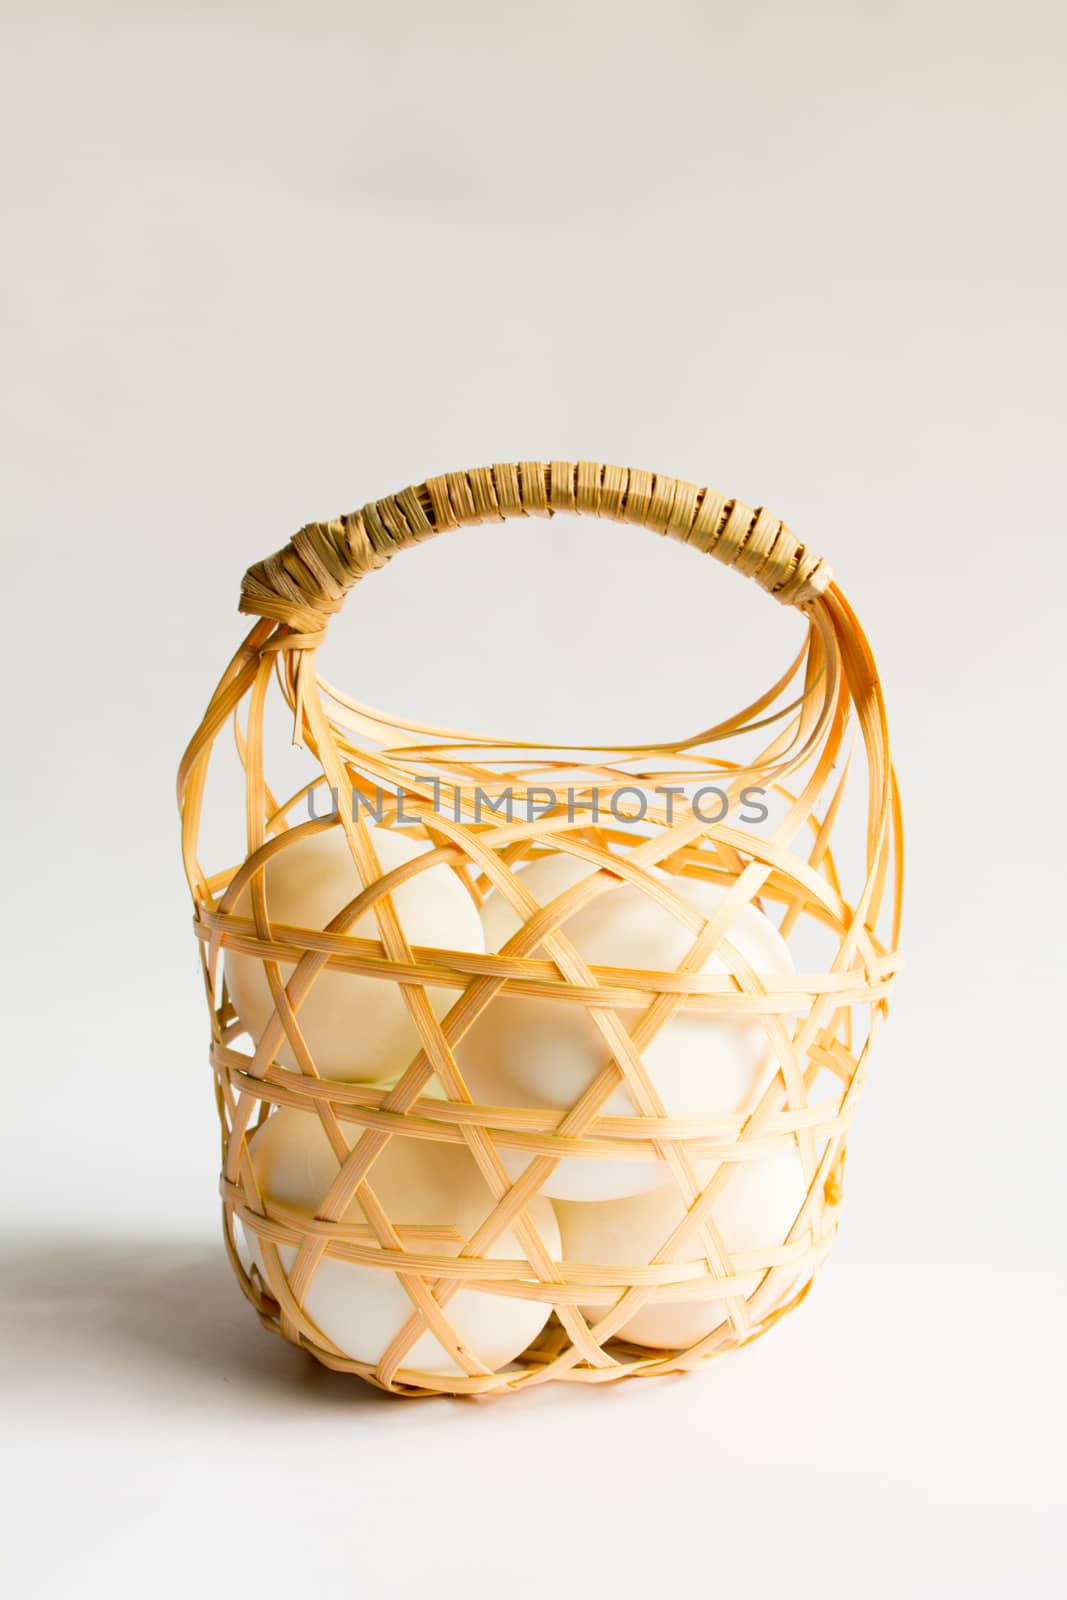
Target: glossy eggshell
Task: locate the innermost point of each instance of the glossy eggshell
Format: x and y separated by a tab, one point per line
418	1182
755	1212
357	1028
526	1052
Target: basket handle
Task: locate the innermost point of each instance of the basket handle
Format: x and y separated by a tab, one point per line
303	585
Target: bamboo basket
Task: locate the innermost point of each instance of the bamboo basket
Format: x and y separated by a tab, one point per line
818	723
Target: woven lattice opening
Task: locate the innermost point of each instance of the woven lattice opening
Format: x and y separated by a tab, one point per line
816	741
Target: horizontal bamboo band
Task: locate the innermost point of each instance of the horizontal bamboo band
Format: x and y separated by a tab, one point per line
305	584
819	1027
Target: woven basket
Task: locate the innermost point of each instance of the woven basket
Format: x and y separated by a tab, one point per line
815	727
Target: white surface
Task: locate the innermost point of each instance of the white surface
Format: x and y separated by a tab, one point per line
880	1442
265	262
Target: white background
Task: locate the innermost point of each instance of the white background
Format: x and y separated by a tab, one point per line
264	262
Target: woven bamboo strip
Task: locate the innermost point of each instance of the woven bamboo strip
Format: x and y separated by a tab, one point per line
830	691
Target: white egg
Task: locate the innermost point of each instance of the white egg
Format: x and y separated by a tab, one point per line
357	1028
532	1052
755	1212
419	1183
245	1245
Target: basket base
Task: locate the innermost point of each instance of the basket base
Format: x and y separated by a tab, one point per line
550	1359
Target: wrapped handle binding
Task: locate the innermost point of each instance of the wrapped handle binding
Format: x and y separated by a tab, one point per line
303	585
820	1025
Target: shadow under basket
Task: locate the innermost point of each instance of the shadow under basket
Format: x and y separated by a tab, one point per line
816	742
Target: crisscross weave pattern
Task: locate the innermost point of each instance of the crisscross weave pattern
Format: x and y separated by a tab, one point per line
817	724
